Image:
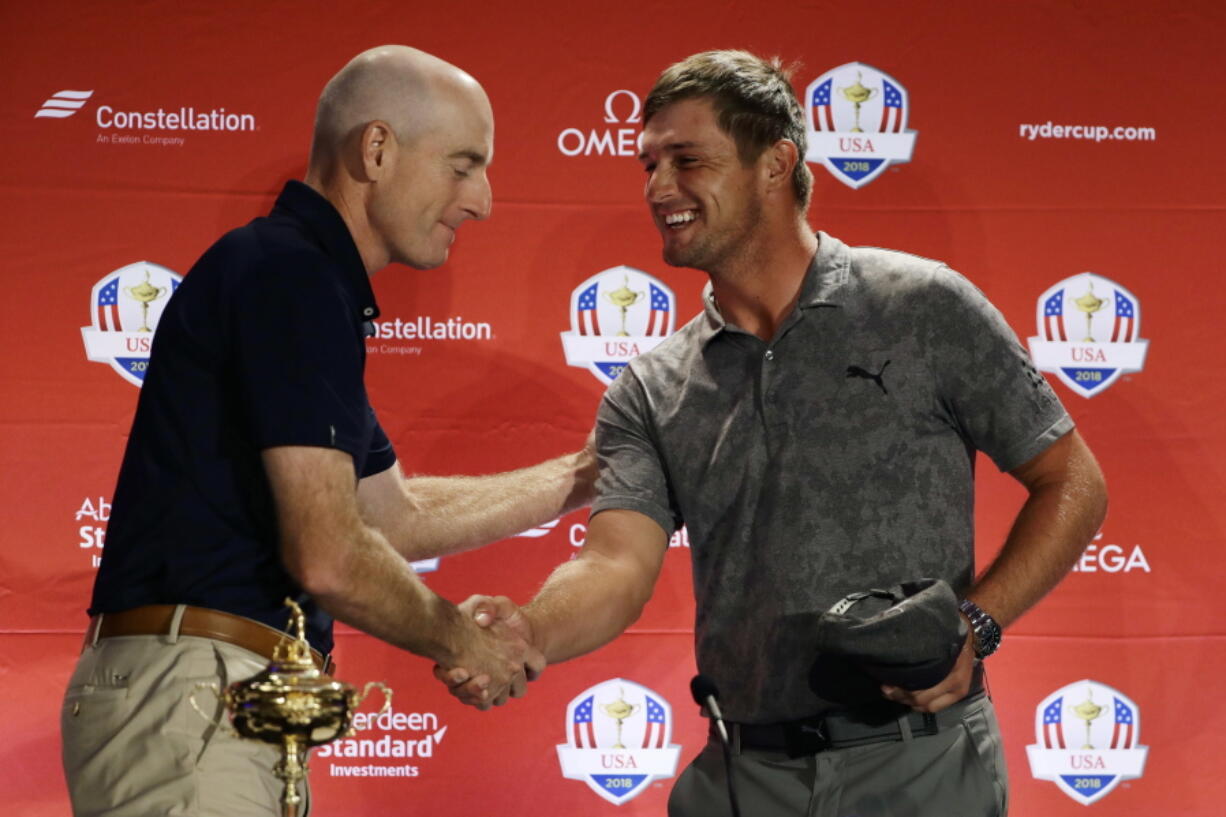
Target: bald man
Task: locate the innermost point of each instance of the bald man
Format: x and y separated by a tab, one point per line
257	471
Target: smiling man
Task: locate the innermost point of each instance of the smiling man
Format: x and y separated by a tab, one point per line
816	428
256	469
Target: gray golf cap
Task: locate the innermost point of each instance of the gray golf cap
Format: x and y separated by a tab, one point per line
909	636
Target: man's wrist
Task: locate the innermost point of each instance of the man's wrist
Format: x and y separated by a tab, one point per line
985	631
444	632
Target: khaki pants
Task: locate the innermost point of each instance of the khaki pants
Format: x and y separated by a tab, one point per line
958	772
135	747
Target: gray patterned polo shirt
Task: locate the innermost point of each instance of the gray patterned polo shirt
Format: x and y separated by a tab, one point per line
837	457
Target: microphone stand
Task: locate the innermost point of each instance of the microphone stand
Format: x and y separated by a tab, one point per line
705	694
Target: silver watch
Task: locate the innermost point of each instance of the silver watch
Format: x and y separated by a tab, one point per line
984	628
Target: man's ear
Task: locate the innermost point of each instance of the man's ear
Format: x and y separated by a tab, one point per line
378	149
779	162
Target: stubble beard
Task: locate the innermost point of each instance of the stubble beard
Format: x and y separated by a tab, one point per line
716	250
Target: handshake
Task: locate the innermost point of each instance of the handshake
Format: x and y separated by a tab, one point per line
492	656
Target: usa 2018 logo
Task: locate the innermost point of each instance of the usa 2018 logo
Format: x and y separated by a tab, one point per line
1087	740
125	306
857	117
1089	333
618	735
616	315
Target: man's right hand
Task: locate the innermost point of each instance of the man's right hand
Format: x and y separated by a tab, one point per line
496	658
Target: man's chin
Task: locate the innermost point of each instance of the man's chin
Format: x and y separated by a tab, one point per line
679	257
424	263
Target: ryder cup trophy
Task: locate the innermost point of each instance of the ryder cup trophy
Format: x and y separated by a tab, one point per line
291	704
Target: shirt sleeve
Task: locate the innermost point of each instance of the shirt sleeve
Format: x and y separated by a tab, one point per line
381	455
299	358
632	475
986	380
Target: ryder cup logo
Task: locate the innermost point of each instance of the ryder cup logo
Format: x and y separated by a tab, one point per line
618	736
1089	333
126	305
857	123
615	316
1087	739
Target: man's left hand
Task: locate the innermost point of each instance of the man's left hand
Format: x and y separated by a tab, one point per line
952	689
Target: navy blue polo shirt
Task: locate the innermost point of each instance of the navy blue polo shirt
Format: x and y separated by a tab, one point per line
262	345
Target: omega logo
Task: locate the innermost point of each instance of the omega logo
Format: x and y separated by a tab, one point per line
635	110
624	141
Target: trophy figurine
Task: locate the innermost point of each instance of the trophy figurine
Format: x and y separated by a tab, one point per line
623	298
1089	304
291	704
858	94
146	293
619	710
1087	710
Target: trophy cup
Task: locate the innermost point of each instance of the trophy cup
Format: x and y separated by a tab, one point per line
619	710
623	298
1089	304
146	293
291	704
1087	710
858	94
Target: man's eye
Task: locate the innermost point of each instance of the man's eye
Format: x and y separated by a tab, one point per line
686	160
460	173
649	169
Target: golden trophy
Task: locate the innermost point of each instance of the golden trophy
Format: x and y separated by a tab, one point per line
1087	710
623	298
1089	304
858	94
291	704
619	710
146	293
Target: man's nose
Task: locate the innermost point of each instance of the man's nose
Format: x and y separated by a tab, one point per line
478	204
661	183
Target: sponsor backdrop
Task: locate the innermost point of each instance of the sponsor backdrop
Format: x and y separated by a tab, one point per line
1060	155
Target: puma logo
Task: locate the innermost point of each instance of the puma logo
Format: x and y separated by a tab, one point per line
856	371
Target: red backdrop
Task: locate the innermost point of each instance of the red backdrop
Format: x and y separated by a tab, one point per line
1001	183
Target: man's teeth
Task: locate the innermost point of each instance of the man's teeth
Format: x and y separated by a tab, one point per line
674	219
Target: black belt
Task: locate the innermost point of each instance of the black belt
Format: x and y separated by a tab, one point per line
842	729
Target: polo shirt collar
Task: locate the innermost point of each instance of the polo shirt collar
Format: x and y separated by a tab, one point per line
824	281
326	226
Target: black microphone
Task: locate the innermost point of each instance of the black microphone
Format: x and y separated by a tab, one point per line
705	694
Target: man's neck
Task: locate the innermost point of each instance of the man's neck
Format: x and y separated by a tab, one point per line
760	289
347	201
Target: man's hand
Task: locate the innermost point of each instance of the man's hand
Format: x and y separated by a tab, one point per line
952	689
499	621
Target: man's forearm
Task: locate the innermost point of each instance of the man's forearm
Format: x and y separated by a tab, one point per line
374	590
583	605
1060	517
450	514
591	599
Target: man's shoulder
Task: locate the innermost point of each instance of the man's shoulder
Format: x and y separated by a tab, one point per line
907	281
883	270
671	359
264	249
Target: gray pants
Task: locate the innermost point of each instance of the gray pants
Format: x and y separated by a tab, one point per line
135	747
958	772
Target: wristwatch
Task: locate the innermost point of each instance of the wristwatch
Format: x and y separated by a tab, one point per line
985	629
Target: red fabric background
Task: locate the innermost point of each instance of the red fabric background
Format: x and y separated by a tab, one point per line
1015	215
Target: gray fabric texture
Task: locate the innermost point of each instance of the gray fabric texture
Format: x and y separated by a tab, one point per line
837	457
958	772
